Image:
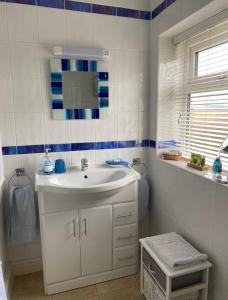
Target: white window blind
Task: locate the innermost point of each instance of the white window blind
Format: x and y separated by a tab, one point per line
201	93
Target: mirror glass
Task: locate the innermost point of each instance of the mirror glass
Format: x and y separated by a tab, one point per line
80	90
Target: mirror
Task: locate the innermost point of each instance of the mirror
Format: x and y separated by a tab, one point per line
79	89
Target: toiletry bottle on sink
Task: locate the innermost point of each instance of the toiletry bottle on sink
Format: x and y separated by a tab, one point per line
48	163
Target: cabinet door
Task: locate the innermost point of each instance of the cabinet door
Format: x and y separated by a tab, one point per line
96	239
61	246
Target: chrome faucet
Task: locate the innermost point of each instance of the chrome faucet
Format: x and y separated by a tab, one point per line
84	164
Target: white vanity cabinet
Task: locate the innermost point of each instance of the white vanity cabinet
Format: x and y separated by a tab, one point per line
96	239
88	238
61	241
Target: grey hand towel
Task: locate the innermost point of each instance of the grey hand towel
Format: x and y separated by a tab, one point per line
23	224
175	251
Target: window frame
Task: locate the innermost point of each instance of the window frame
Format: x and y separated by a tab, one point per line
201	46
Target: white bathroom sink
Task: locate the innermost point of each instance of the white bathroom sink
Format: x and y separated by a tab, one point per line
95	179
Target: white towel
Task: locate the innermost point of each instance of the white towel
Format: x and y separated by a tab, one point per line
23	227
175	251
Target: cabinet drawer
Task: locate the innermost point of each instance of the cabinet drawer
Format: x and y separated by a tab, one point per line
125	235
126	256
124	214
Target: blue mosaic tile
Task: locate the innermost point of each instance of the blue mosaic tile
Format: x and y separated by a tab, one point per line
29	2
65	64
145	143
56	76
82	146
103	92
56	84
104	9
78	6
145	15
152	144
58	147
57	104
95	113
82	65
10	150
159	9
169	2
127	12
56	90
51	3
104	102
30	149
93	66
105	145
103	76
126	144
69	114
79	114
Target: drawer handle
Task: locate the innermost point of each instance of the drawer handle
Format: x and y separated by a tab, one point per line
124	216
126	258
120	238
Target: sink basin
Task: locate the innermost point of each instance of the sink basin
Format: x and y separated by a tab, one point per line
95	179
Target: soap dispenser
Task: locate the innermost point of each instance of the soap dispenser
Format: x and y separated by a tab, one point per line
48	163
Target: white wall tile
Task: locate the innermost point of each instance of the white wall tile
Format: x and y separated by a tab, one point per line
22	23
4	60
128	125
25	60
79	29
29	128
7	129
6	96
82	131
45	53
56	132
46	95
128	96
143	126
106	130
3	22
130	153
27	95
135	4
52	25
128	65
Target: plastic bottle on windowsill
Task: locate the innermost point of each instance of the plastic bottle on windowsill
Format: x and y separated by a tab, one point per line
217	166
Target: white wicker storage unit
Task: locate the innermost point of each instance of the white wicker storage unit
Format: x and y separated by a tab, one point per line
159	282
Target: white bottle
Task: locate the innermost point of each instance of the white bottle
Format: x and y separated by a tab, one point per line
48	163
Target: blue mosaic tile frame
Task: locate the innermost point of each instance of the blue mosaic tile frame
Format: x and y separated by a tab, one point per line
58	66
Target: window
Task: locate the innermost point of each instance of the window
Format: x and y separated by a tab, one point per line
211	61
202	94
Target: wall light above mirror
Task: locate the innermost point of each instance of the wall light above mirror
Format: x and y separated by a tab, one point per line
79	89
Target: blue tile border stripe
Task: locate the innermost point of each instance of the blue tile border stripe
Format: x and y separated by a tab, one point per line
32	149
97	8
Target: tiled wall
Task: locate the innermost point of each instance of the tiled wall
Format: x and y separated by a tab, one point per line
27	35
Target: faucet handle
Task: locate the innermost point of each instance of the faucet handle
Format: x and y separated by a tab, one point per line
84	160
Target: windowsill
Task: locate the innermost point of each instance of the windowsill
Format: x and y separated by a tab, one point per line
182	164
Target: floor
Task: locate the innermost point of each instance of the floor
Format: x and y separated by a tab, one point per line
30	287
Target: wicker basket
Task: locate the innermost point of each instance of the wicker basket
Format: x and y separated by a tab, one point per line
152	291
168	156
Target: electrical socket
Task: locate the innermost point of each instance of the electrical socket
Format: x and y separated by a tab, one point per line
136	161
